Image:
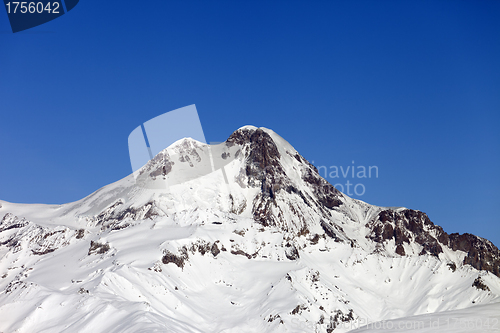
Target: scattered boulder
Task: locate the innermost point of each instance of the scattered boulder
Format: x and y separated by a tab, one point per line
215	250
169	257
400	250
479	284
98	248
291	252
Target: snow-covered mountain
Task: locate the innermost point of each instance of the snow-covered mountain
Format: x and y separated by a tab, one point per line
263	245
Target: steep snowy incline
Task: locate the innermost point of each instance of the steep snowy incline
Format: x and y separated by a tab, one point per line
244	236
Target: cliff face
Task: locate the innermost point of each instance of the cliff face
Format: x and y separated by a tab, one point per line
262	167
481	253
408	226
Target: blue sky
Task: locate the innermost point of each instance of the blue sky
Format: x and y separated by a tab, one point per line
410	87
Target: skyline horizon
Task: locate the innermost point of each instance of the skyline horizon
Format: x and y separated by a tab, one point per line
318	168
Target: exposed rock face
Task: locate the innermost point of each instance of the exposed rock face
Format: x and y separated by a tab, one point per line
215	250
263	169
291	252
409	225
160	165
330	230
163	170
9	221
169	257
241	253
327	194
263	166
80	233
19	235
481	253
479	284
98	248
400	250
404	227
117	216
187	152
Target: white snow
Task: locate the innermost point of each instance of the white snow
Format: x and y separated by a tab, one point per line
129	289
475	319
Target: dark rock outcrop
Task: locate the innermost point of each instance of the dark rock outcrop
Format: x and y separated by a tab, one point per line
329	231
215	250
262	168
80	233
400	250
117	217
9	221
406	226
326	193
291	252
410	225
479	284
169	257
481	253
241	253
98	248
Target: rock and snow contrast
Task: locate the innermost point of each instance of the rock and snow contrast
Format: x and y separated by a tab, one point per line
275	248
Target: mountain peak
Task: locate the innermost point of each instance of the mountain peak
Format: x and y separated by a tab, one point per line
246	228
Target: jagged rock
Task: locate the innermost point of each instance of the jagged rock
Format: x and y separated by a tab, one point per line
481	253
83	291
117	217
298	309
169	257
291	252
200	246
215	250
315	239
326	193
452	266
479	284
80	233
339	317
98	248
9	221
410	225
329	230
163	163
404	226
400	250
241	253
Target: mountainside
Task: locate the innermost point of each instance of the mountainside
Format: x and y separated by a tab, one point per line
263	245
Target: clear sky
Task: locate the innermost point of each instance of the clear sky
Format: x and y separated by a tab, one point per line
410	87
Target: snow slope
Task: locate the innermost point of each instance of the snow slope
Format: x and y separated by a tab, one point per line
275	248
475	319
